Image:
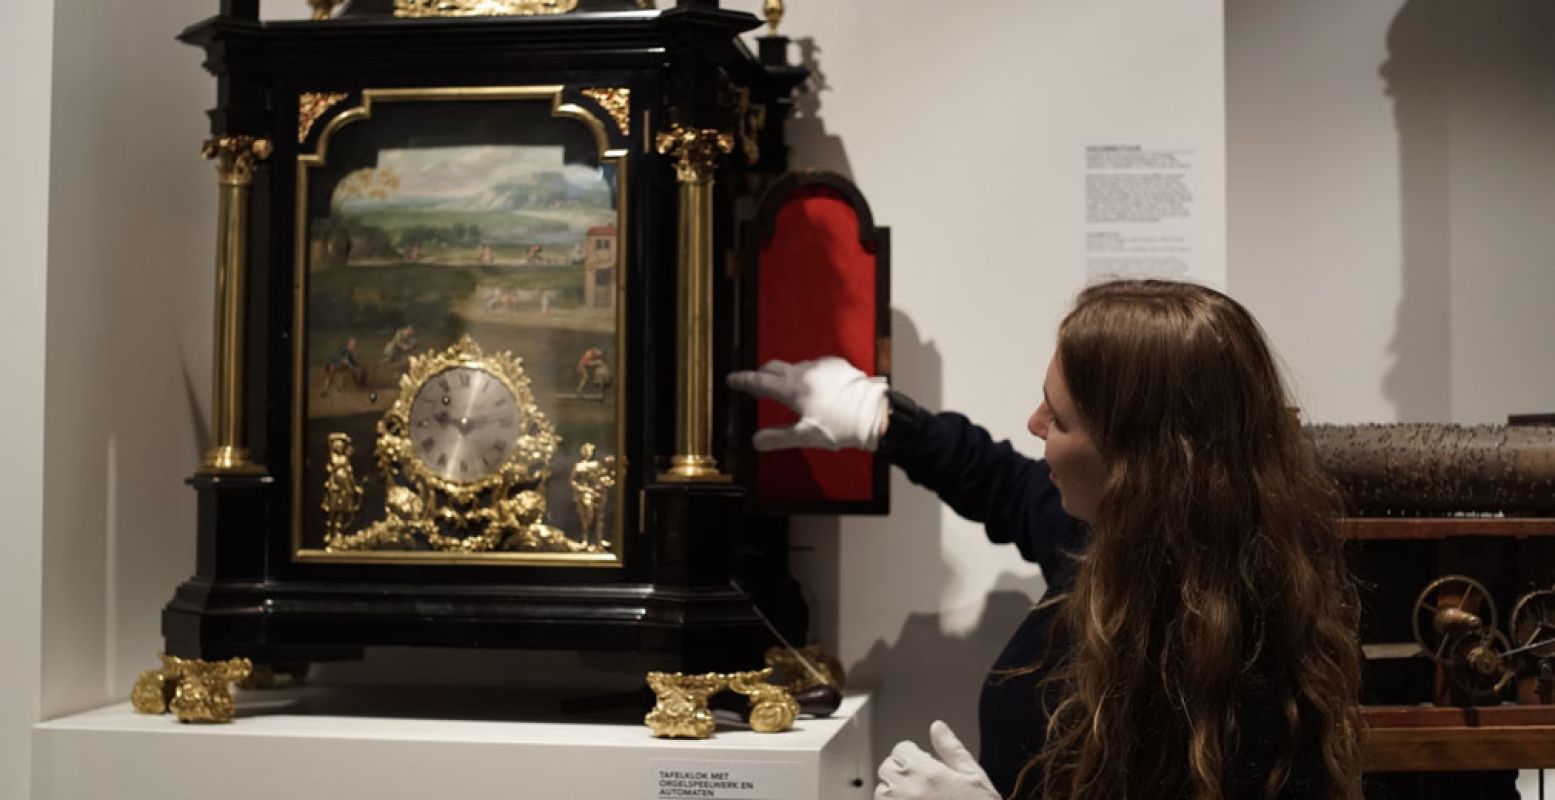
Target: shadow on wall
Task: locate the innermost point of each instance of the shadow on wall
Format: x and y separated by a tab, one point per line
811	146
1471	86
926	674
1417	384
864	582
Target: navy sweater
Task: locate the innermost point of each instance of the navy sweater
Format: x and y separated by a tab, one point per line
1012	495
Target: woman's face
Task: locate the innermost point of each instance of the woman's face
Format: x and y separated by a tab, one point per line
1078	469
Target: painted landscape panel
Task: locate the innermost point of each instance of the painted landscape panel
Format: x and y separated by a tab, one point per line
426	225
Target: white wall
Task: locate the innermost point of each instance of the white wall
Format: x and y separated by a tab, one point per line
26	43
1390	178
131	280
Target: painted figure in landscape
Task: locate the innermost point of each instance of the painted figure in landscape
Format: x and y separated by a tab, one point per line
344	365
400	345
593	372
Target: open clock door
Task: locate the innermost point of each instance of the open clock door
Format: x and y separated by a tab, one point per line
815	282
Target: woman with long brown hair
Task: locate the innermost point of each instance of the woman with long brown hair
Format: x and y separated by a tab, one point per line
1199	635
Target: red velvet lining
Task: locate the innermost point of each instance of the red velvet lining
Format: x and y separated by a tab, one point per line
817	297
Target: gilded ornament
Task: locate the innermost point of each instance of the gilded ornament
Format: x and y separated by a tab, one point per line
323	9
773	11
236	156
194	690
152	691
696	151
773	710
616	100
680	710
311	106
481	8
592	482
463	506
342	494
748	120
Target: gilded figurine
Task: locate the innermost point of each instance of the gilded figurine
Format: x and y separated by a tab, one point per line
591	484
342	493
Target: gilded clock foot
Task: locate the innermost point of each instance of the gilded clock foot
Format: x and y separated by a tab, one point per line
681	710
773	709
194	690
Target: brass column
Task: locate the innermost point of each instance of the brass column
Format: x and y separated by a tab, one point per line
696	153
235	158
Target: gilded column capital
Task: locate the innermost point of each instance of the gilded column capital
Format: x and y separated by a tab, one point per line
696	151
235	157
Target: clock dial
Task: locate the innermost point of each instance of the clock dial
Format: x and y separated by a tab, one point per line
463	424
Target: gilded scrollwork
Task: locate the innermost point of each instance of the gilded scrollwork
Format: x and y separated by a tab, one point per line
427	506
617	100
236	156
696	150
311	106
748	120
193	690
681	711
481	8
773	709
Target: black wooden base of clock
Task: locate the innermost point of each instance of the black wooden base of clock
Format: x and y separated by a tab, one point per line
716	587
700	630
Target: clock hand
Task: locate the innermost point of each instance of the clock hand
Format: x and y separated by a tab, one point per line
482	421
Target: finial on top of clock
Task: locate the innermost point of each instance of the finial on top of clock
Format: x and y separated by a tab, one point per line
323	9
773	10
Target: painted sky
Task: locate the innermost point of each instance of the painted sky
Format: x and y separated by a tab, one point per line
465	172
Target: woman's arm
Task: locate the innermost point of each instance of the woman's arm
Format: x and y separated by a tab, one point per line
841	407
984	481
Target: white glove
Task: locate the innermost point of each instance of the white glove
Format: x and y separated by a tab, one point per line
838	406
911	774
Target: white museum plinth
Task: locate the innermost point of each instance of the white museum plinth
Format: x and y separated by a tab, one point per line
279	747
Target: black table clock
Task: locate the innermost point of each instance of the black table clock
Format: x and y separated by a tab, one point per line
481	267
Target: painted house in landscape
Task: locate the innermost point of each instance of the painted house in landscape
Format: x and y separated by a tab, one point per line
599	264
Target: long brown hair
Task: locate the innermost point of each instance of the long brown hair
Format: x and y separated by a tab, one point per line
1216	576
